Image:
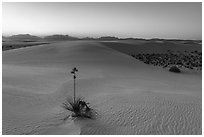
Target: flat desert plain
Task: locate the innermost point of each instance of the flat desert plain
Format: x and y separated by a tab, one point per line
129	96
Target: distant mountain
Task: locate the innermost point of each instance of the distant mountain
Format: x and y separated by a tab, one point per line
132	39
25	37
4	38
87	38
22	37
108	38
60	37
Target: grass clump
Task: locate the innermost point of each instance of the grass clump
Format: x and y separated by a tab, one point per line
79	108
175	69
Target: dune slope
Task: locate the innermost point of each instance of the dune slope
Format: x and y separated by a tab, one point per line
129	96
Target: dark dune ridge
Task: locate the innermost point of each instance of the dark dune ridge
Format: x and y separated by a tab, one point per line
138	46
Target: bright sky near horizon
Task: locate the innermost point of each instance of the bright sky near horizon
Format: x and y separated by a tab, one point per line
140	20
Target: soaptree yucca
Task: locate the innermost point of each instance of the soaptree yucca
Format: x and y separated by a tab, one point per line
79	108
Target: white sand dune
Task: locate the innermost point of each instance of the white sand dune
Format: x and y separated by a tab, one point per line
129	96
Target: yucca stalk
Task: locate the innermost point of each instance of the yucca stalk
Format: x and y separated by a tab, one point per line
74	70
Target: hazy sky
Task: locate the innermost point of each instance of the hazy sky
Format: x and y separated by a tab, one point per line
144	20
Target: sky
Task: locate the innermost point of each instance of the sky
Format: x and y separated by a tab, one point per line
138	20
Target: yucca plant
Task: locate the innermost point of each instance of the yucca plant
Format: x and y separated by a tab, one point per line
79	108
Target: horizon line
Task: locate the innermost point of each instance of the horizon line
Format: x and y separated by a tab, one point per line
43	36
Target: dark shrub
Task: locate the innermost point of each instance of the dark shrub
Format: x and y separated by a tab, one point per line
174	69
79	108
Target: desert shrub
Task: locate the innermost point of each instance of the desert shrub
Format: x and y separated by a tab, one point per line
79	108
174	69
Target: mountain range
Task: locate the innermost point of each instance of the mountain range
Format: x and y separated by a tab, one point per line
59	37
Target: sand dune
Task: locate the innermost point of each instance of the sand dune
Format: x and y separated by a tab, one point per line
129	96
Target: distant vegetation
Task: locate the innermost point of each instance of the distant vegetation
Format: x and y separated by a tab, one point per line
16	45
190	60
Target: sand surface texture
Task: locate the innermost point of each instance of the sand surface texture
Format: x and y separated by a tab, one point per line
129	96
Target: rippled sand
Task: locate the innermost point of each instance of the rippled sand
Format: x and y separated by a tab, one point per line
130	97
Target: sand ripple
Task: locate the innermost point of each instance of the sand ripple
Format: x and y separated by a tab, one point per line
146	113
